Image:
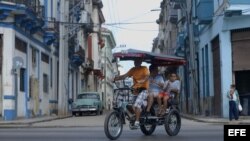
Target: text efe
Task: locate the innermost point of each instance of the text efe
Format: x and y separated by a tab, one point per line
236	132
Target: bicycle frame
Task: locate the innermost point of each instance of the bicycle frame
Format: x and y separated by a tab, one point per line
122	98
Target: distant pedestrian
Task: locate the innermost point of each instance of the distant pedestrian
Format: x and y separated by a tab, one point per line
233	97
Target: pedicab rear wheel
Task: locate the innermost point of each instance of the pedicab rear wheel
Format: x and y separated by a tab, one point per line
173	122
149	126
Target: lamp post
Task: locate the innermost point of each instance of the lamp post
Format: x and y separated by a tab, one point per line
155	10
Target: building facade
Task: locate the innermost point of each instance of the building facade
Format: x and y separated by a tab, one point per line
213	36
50	51
28	55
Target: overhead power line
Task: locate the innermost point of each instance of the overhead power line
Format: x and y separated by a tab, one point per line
129	23
146	30
95	24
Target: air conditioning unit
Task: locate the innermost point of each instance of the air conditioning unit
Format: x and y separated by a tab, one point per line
85	17
230	13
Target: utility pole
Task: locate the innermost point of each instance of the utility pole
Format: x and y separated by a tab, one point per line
105	76
63	60
192	60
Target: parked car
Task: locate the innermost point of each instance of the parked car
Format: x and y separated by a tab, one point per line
87	102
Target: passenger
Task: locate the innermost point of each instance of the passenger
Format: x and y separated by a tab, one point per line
171	89
156	83
140	75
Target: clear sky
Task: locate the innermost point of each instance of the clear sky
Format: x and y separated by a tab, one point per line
133	24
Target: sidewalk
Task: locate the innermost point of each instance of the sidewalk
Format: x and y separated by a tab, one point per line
209	119
23	122
52	121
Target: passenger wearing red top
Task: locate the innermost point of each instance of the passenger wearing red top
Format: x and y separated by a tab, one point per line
140	76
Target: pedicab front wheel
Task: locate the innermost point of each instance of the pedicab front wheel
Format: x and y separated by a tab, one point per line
113	125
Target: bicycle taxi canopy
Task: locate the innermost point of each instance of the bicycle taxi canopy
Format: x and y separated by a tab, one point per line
150	57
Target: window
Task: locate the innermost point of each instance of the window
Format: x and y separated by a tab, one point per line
20	45
33	55
22	79
45	83
1	52
45	58
51	72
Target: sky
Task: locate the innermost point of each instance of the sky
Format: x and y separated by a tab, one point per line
133	23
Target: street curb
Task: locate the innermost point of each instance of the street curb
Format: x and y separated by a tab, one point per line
190	118
206	120
201	120
29	123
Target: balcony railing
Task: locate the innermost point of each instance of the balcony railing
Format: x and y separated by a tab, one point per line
172	15
32	5
238	2
52	25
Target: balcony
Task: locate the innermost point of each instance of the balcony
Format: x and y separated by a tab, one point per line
98	3
78	58
51	31
231	13
87	22
162	4
173	17
205	9
32	6
180	39
28	14
51	25
180	50
176	4
231	2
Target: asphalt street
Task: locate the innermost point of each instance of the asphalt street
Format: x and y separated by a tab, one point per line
190	131
91	127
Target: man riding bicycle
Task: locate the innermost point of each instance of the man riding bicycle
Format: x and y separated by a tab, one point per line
140	76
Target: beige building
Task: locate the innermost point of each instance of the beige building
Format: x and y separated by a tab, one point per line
108	67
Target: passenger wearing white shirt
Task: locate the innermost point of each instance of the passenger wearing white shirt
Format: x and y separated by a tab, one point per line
171	88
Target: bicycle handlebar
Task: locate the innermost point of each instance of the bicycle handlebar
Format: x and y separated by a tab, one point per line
121	84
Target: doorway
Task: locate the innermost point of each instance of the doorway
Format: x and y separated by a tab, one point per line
216	75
